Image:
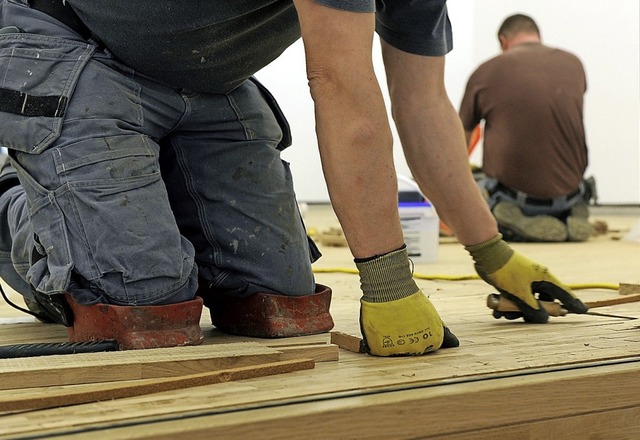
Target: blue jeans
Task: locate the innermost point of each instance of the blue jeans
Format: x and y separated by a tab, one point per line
130	190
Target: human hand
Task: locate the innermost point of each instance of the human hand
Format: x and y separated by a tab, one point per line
396	317
520	279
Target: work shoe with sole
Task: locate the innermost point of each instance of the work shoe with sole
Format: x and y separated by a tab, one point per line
515	226
578	226
38	311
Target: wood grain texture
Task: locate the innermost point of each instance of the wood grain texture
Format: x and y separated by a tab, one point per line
129	365
628	289
335	400
613	301
438	410
108	391
347	342
319	352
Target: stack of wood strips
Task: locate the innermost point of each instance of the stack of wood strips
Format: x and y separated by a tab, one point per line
43	382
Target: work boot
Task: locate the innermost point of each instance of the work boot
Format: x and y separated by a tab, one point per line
266	315
38	311
137	327
515	226
578	226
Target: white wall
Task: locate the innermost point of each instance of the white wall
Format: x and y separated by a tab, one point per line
606	39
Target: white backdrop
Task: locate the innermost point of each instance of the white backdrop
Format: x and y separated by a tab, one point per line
606	37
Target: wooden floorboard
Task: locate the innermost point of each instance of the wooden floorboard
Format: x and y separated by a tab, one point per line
579	374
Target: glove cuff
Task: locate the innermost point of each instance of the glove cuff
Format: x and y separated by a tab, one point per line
386	277
490	255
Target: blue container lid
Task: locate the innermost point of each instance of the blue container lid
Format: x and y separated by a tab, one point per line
423	204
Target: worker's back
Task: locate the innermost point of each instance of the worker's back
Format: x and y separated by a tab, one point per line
531	98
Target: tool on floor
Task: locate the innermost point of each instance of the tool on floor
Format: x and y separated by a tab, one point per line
501	304
52	348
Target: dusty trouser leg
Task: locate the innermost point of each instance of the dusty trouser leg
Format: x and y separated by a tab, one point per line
102	227
132	327
16	240
234	200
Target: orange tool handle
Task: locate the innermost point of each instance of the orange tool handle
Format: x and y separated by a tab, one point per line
502	304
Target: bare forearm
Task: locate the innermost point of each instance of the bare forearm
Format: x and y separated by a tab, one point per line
352	126
356	151
434	144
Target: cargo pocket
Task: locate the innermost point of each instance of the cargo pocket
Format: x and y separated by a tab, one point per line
52	274
277	112
37	77
124	237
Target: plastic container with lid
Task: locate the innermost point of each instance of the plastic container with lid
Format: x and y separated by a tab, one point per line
419	220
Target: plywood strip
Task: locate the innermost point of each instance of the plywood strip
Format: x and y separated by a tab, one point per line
130	365
616	424
628	289
613	301
319	353
347	342
418	413
316	347
29	400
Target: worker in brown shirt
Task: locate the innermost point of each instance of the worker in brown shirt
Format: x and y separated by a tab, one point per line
535	153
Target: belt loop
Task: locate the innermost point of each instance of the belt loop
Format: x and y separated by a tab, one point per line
521	198
576	195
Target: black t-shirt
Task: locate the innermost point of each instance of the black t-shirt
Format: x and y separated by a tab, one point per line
212	47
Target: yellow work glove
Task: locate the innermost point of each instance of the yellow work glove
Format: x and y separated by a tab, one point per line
521	280
396	317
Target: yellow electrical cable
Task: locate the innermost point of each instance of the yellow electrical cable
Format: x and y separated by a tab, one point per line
610	286
335	270
441	277
422	276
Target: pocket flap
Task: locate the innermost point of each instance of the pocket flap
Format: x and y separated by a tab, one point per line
38	77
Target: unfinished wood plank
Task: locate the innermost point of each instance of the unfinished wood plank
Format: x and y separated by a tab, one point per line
217	337
613	301
487	346
31	332
347	342
314	347
319	353
332	237
129	365
29	400
416	413
628	289
619	424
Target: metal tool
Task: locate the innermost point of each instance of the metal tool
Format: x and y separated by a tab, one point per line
55	348
502	304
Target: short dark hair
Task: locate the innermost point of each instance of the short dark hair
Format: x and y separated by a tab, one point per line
518	23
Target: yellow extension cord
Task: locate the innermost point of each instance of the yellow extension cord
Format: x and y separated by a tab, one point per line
441	277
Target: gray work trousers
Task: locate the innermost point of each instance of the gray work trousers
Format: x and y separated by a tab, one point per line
559	207
132	191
